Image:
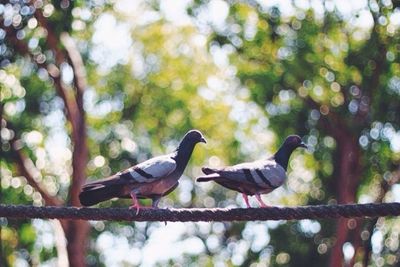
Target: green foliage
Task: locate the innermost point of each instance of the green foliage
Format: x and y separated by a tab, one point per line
298	73
309	73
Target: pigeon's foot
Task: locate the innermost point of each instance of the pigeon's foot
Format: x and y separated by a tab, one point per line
136	204
137	207
262	204
246	200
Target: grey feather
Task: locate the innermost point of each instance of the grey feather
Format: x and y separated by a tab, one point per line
258	177
152	179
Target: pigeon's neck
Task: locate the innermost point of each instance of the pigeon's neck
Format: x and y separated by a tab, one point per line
282	156
183	153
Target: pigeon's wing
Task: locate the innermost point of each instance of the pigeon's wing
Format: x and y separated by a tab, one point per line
149	170
121	183
265	174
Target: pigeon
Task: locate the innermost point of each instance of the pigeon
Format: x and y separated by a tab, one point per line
257	177
152	179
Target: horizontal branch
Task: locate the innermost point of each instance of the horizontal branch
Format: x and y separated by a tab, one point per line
195	214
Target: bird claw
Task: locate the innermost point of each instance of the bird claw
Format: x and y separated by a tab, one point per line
246	200
262	204
137	207
258	197
136	204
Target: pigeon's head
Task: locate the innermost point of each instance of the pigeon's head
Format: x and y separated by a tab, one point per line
283	154
293	142
195	136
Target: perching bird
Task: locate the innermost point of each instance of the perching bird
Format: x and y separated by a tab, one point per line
258	177
152	179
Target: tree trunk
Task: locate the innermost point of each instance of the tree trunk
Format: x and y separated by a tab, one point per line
348	176
78	231
77	234
64	50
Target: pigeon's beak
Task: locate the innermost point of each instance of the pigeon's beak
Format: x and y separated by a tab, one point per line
302	144
203	140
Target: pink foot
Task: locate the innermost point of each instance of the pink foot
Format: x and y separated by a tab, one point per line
137	207
135	204
246	200
262	204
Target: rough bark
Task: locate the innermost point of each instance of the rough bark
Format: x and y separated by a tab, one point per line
76	232
347	174
347	179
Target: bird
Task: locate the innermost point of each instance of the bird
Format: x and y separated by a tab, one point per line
153	178
257	177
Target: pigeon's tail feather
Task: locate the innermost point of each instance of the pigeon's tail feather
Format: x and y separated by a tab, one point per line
207	178
94	196
100	190
207	170
203	179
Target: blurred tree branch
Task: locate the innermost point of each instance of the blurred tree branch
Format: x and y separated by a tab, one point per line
76	231
29	170
348	151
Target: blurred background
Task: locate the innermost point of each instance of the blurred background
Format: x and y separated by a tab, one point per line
91	87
